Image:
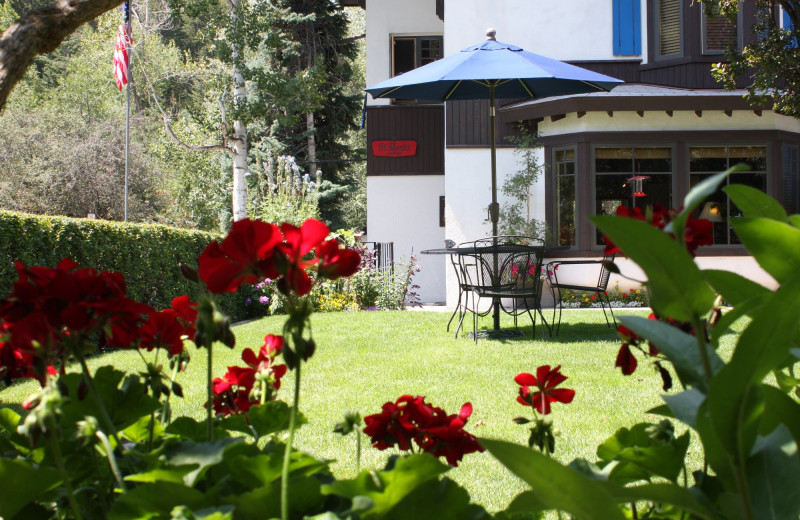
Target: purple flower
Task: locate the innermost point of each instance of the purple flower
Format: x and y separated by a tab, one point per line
263	300
248	301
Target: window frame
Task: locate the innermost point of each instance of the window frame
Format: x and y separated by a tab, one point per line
578	213
417	38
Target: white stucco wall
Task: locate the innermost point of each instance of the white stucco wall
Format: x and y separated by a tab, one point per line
573	30
404	209
385	17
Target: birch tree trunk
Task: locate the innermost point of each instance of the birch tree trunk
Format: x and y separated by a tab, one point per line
312	145
239	140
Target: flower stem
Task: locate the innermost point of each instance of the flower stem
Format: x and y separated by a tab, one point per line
700	333
112	460
87	376
56	449
288	451
210	390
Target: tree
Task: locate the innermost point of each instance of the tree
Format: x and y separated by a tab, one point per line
772	62
41	32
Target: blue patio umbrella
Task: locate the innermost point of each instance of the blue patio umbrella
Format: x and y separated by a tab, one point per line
492	70
489	70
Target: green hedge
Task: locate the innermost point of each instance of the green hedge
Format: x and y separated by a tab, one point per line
147	255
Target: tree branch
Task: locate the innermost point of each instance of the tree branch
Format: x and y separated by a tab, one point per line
41	32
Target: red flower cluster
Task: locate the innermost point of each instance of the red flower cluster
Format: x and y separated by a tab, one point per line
255	250
544	384
430	428
626	361
233	391
698	232
53	311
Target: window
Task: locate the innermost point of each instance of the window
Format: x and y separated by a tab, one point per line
668	28
632	177
564	168
410	52
705	161
627	28
718	31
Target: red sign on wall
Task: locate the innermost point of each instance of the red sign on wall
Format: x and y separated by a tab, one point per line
394	148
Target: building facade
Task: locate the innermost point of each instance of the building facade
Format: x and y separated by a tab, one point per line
670	123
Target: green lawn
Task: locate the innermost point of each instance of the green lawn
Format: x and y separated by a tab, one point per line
364	359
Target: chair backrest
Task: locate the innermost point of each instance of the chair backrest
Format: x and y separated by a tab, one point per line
605	274
523	270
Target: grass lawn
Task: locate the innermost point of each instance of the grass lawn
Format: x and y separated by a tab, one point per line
364	359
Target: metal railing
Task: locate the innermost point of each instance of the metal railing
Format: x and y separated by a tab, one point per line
382	254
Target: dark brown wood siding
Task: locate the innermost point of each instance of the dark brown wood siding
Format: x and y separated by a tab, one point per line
468	124
423	124
626	70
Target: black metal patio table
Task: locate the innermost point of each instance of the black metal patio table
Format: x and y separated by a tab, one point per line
498	258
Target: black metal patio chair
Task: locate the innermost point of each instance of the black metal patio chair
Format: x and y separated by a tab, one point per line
600	288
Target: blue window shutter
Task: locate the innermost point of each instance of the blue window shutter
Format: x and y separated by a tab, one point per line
627	27
787	22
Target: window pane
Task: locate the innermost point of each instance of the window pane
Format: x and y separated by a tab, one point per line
610	191
754	156
719	32
652	160
669	27
404	55
708	159
607	160
565	225
430	50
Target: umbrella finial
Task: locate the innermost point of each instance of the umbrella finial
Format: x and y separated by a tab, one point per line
491	32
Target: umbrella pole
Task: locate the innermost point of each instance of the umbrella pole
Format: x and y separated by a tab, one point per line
494	209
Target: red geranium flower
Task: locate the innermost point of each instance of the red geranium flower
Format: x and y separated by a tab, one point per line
162	330
545	382
232	391
245	256
626	360
187	314
299	241
411	420
336	262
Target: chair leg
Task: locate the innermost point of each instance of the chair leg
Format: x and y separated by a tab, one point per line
457	309
610	309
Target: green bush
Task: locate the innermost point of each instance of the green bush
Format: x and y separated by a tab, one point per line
148	255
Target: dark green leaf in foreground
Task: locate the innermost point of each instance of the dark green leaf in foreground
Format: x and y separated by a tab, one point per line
734	287
556	486
755	203
640	457
388	487
156	501
679	347
676	285
696	196
773	471
436	499
775	245
23	483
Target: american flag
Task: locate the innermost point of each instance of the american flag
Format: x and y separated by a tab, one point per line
122	57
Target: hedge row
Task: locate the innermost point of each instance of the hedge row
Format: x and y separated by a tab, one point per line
147	255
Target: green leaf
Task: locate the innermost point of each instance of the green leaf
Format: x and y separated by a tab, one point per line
762	347
755	203
387	488
730	317
773	244
140	430
174	474
526	502
436	500
734	287
156	501
779	409
685	405
188	428
215	513
271	417
794	220
640	457
203	455
680	348
676	285
265	502
665	494
554	485
773	471
696	196
23	484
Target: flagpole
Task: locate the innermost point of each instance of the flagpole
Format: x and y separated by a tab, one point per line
127	8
